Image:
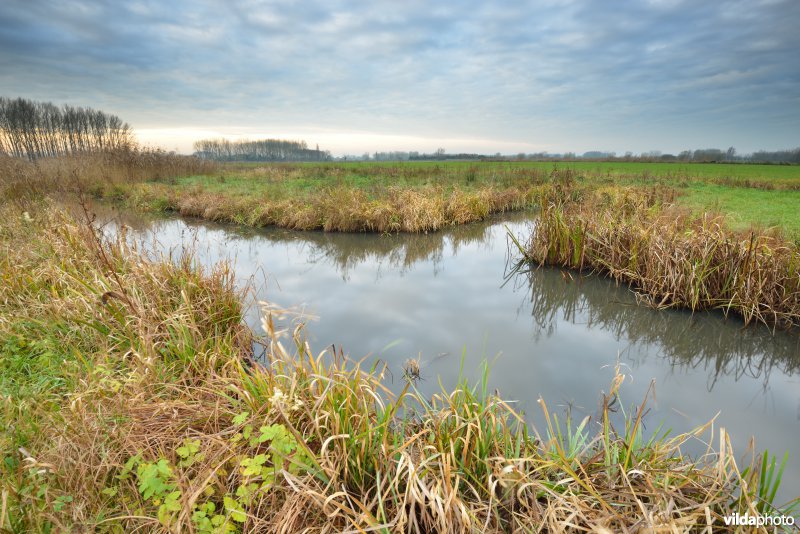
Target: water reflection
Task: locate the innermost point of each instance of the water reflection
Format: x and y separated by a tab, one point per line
342	251
419	296
697	341
701	341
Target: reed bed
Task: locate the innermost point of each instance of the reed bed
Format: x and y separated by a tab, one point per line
672	257
338	208
131	402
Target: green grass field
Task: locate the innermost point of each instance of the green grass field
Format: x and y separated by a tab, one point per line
758	196
285	180
679	170
746	208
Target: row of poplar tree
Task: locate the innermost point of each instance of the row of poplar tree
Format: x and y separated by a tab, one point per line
33	130
260	150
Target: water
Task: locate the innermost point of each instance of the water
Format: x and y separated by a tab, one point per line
443	298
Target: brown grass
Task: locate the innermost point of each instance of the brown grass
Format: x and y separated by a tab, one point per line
341	209
674	259
92	172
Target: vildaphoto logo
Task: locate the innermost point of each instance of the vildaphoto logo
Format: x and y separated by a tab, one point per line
745	519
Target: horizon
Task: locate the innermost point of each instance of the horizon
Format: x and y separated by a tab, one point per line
663	75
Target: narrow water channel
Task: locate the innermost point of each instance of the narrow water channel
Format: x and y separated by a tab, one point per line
443	298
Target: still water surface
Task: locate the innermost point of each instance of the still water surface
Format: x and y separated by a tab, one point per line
443	297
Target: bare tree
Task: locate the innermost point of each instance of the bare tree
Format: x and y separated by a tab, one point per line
260	150
35	130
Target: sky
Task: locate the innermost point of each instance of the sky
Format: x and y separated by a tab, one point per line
468	76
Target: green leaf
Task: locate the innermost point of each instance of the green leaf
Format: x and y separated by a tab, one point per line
173	502
271	432
252	466
60	502
154	479
235	510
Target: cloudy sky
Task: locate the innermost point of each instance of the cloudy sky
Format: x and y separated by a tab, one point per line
473	75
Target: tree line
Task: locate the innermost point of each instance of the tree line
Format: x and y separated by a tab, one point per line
260	150
705	155
399	155
702	155
34	130
715	155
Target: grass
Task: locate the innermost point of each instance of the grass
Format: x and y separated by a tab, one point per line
346	198
130	402
404	197
673	258
737	171
426	196
747	208
92	172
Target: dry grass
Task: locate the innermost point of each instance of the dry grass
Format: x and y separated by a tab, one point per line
337	208
672	257
154	419
109	173
383	199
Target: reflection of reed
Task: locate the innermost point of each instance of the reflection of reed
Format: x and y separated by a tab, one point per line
344	251
703	340
347	251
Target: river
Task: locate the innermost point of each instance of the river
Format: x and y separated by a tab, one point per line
446	300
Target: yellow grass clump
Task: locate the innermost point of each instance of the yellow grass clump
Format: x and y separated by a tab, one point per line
673	258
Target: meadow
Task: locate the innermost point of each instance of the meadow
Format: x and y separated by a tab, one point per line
130	397
426	196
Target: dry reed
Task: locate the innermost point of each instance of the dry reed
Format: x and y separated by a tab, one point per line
339	208
673	258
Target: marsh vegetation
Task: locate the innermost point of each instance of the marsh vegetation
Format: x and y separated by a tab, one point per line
131	401
132	398
672	257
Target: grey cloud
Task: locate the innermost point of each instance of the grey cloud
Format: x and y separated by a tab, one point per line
535	71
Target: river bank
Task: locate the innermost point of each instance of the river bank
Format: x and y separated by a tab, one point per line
148	355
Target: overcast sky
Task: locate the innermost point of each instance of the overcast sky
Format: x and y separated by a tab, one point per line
481	75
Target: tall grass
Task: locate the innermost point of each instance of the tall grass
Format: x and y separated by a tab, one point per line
383	199
135	405
342	209
106	172
673	258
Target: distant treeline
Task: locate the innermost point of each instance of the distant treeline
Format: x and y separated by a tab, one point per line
35	130
705	155
398	155
260	150
441	155
778	156
709	155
